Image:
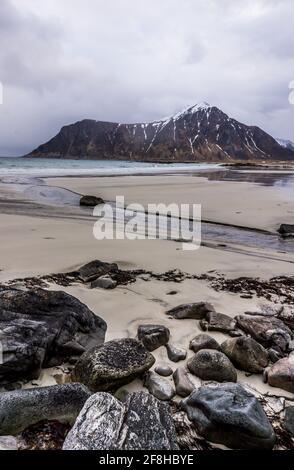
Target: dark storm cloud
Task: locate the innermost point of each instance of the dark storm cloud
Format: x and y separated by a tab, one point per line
132	60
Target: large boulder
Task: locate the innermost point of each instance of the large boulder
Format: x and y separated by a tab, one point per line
140	423
113	364
153	336
95	269
209	364
43	328
203	341
195	311
281	374
228	414
91	201
22	408
246	354
215	321
271	332
159	387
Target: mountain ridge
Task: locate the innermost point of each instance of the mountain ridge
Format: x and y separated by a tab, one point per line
198	133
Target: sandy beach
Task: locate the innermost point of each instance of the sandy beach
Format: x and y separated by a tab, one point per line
55	238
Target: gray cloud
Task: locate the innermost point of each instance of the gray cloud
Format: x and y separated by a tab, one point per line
132	60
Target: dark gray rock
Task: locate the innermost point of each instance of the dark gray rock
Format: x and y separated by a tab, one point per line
215	321
203	341
175	354
195	311
41	329
44	435
159	387
22	408
141	423
104	282
287	316
289	420
286	230
163	370
153	336
271	332
209	364
227	414
113	364
281	374
184	385
246	354
95	269
91	201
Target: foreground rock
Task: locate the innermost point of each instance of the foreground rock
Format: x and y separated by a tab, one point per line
215	321
183	384
153	336
289	420
246	354
175	354
194	311
227	414
271	332
212	365
203	342
95	269
286	230
281	374
22	408
164	370
91	201
113	364
41	329
141	423
45	435
159	387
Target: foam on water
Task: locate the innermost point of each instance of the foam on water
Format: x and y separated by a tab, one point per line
52	167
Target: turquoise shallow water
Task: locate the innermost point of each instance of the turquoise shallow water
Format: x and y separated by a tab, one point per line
53	167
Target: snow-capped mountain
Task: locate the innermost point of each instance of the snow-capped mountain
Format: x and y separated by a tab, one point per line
198	133
288	144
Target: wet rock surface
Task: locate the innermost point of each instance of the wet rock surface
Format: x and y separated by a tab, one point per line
246	354
184	385
42	329
215	321
203	341
271	332
95	269
194	311
208	364
140	423
281	374
160	388
164	370
22	408
113	364
228	414
153	336
175	354
91	201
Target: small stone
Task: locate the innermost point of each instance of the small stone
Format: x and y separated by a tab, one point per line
95	269
104	282
215	321
153	336
159	388
91	201
281	374
203	341
184	385
163	370
175	354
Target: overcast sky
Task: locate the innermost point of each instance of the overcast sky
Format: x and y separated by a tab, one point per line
137	60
